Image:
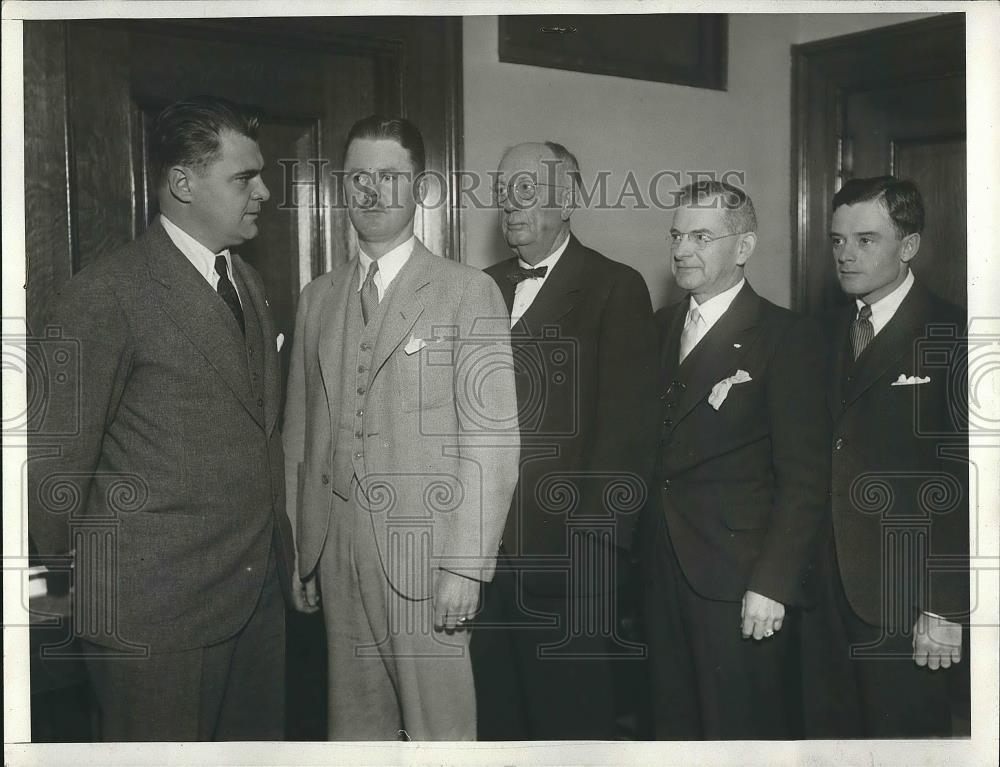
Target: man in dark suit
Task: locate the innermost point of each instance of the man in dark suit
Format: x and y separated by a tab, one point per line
896	564
170	495
743	477
546	643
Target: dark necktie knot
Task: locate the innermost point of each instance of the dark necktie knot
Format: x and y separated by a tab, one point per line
227	291
865	312
519	274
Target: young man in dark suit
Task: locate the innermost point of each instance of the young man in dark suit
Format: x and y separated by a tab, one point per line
896	563
729	536
170	495
546	646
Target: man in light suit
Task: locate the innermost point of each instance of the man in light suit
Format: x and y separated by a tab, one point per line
547	648
175	475
896	563
743	479
401	445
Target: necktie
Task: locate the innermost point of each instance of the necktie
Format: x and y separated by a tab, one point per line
691	332
227	290
862	330
369	293
519	274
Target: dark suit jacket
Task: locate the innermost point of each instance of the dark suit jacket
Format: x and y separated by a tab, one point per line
743	488
900	459
176	454
585	367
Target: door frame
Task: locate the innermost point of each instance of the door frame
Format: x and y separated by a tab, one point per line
821	73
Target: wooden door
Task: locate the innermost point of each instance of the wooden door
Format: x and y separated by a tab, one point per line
889	101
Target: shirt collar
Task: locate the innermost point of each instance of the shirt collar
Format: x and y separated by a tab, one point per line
884	309
388	265
201	257
550	260
716	306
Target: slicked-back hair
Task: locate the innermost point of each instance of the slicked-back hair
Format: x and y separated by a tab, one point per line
738	211
901	200
402	131
567	161
188	132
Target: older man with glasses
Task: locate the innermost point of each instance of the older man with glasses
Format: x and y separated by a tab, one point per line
546	644
742	477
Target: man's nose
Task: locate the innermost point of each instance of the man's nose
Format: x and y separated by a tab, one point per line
846	254
262	193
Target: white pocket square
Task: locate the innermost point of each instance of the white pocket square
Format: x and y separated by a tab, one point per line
280	340
721	390
414	345
905	380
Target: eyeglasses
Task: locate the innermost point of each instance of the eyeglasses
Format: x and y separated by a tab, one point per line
522	190
700	240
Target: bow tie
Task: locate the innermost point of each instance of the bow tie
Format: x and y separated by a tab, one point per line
519	274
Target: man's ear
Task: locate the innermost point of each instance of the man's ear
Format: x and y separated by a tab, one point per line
911	244
745	247
568	202
179	183
419	187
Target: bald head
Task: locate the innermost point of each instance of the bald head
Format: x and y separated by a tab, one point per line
536	180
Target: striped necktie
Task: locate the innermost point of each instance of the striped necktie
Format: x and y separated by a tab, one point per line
862	330
369	293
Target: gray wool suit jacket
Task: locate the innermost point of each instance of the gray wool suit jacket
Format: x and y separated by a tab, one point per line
162	464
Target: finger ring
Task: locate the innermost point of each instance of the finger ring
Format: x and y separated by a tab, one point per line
462	620
769	633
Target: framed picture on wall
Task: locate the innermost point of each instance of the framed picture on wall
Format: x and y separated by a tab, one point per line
680	48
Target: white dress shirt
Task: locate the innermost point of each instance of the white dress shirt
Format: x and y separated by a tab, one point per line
884	309
389	266
526	290
200	257
712	309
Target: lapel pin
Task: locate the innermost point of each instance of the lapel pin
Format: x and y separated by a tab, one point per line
737	346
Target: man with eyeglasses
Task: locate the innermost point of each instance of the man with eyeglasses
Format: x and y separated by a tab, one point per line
742	473
547	648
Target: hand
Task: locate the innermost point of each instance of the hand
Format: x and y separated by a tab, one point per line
305	595
456	599
937	643
761	616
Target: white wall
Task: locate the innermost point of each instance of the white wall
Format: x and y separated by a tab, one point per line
618	125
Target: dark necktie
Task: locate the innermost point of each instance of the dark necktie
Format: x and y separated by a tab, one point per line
369	293
862	330
228	292
519	274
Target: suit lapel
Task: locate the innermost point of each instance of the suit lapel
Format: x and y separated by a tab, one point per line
332	320
406	304
200	314
892	343
506	286
720	352
841	363
673	325
260	342
559	293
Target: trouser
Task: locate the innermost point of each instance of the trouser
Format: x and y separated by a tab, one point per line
545	665
391	674
231	690
707	681
860	680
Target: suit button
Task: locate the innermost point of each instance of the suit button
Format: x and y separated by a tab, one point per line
357	456
358	435
361	368
325	479
250	351
838	444
668	422
361	390
666	484
365	346
260	402
360	413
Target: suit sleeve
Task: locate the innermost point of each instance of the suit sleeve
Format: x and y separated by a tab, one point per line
800	454
91	326
626	427
293	433
488	437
